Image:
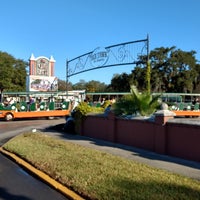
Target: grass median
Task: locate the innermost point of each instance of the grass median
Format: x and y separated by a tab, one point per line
98	175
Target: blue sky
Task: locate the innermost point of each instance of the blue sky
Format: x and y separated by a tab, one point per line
66	29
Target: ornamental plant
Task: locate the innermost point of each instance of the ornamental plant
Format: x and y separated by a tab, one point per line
81	111
135	103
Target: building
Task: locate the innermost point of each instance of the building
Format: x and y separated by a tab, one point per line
41	74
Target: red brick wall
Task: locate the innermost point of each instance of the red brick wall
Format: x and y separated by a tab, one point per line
175	139
183	140
136	133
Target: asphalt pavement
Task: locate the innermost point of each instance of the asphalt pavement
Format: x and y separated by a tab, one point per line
16	183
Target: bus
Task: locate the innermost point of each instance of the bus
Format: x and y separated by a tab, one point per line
168	98
58	104
182	104
16	105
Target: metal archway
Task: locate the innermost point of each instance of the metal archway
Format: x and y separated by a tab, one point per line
120	54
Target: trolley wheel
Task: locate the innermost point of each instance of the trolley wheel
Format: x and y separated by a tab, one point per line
9	117
50	118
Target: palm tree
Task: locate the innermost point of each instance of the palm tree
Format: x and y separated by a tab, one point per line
143	103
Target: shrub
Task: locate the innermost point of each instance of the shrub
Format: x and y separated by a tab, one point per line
81	111
143	103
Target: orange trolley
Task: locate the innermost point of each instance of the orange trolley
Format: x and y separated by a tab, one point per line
23	110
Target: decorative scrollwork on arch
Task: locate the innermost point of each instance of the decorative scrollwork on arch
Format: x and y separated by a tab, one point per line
120	54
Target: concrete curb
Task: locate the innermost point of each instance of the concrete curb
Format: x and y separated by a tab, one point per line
58	186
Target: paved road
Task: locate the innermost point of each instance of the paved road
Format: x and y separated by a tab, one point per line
15	183
12	128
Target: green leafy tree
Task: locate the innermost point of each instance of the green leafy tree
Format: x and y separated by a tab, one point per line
196	81
137	77
6	71
184	72
95	86
91	86
63	86
120	83
18	80
171	70
81	85
161	70
12	73
174	69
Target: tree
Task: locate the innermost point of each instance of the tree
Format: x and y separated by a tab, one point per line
91	86
63	86
196	81
120	83
12	73
6	70
18	80
184	72
81	85
137	77
161	70
172	70
95	86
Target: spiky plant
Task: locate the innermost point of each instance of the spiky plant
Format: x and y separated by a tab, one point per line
146	103
143	103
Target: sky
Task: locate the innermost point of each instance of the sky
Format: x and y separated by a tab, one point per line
66	29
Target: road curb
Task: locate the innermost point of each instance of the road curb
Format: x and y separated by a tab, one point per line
58	186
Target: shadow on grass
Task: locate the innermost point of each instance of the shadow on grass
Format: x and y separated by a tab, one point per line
153	190
137	152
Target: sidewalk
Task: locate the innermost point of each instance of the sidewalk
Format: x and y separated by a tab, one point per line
175	165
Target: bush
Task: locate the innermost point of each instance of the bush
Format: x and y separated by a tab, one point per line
81	111
143	103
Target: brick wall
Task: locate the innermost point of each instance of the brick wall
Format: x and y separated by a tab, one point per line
161	135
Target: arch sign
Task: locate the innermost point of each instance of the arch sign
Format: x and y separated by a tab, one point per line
115	55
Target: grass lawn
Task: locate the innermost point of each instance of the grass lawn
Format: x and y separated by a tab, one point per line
97	175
